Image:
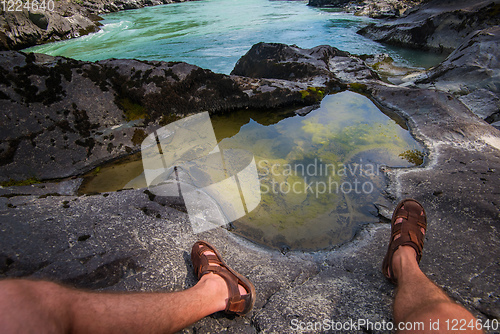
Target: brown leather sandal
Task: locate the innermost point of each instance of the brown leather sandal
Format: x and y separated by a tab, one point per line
409	232
203	264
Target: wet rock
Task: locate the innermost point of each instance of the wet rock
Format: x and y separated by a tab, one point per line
389	70
281	61
328	3
62	188
322	65
371	8
471	72
22	29
63	117
68	19
436	25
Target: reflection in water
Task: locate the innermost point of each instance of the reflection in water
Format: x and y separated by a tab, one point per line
320	174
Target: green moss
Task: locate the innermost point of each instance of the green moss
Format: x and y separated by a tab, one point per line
139	136
96	170
27	182
358	87
385	61
167	119
413	156
315	94
133	111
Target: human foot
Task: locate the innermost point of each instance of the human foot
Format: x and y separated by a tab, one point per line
409	224
218	284
237	291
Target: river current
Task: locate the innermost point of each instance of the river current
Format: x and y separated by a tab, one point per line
214	34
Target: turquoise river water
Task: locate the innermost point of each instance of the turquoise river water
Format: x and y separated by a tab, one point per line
214	34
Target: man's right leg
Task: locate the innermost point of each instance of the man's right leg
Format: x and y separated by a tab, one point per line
419	303
418	300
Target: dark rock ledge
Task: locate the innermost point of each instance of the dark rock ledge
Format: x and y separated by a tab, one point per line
63	117
133	241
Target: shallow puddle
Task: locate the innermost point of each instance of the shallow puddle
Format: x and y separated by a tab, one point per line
320	174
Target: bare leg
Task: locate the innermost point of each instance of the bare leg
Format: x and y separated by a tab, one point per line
418	300
44	307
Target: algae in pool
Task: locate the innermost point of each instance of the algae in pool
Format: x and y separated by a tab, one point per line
320	174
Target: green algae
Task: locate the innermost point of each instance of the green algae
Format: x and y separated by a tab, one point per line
133	111
139	136
358	87
314	94
413	156
26	182
316	207
312	169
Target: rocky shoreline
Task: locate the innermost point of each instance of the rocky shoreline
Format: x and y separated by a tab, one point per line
439	26
63	117
381	9
68	19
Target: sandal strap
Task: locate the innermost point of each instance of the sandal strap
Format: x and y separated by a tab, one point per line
204	263
236	302
239	304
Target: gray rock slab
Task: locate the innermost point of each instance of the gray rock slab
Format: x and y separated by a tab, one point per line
436	25
471	72
62	117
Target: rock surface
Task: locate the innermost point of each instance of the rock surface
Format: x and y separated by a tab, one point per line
371	8
437	25
63	117
134	241
68	19
472	73
322	65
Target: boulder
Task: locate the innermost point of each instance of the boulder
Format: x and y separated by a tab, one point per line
382	9
471	72
23	29
323	65
436	25
62	117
